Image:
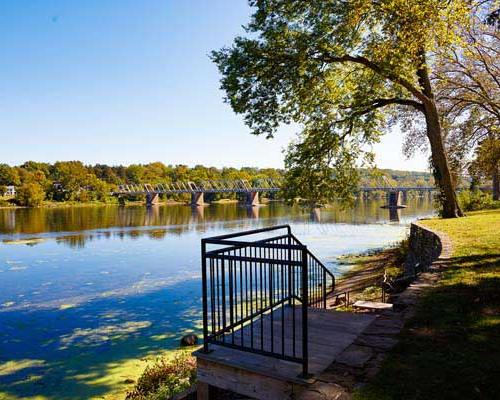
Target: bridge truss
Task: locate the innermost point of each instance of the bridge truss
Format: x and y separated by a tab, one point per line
234	186
206	186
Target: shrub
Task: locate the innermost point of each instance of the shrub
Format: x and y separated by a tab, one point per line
403	248
476	200
5	203
165	378
30	195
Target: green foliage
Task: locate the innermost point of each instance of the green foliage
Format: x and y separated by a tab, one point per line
473	200
486	163
30	195
320	179
403	248
9	175
165	378
339	70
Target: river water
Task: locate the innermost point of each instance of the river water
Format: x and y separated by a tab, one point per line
85	291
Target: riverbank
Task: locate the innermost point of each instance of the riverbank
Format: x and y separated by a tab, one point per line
4	204
76	204
367	269
451	348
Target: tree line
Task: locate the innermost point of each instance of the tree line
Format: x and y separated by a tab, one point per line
65	181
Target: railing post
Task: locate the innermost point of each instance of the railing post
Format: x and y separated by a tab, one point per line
290	272
204	295
324	288
305	305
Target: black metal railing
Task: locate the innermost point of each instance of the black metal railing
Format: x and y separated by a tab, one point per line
256	293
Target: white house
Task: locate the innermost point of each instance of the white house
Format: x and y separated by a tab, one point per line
10	191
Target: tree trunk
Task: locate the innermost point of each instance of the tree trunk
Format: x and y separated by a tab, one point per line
496	183
442	173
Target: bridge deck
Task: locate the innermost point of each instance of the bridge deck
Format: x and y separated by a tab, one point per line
263	377
232	186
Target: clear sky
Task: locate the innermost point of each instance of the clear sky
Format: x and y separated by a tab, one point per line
129	81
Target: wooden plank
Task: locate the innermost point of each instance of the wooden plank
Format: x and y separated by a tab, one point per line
202	391
372	305
243	382
255	363
328	336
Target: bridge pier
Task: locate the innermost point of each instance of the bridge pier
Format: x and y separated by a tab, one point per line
152	199
197	199
316	214
252	199
394	199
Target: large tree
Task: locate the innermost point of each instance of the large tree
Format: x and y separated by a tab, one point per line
340	69
467	80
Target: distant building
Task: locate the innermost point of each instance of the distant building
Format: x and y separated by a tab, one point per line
10	191
58	186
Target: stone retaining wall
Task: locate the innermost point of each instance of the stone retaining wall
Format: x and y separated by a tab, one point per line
426	246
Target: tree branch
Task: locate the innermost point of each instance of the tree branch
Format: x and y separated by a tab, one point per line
379	70
379	103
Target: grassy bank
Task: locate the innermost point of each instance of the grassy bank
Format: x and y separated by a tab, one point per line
95	203
451	348
5	204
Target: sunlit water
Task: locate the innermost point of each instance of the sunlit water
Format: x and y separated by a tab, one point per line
84	288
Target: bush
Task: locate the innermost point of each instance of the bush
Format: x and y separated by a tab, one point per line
5	203
476	200
165	378
30	195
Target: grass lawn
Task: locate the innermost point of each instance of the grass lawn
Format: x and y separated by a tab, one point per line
451	349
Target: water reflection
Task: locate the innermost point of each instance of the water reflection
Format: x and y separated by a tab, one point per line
394	214
180	218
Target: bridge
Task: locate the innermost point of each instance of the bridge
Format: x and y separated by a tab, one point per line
250	189
197	190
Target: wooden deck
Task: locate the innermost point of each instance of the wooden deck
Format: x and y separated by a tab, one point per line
263	377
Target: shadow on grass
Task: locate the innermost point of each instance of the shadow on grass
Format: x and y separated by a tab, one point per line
91	349
451	349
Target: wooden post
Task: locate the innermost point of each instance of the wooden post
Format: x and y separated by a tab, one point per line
203	391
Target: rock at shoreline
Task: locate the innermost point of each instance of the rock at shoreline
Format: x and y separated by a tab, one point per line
189	340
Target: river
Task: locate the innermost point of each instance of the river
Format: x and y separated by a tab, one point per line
88	293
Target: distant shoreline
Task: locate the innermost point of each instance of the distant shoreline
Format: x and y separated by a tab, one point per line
68	204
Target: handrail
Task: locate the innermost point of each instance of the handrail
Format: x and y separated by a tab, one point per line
249	286
314	257
246	233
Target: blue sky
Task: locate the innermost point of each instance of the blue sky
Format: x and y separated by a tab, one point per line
128	81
